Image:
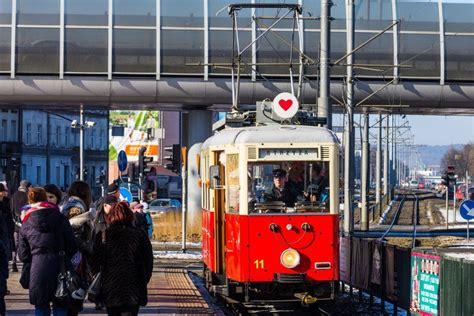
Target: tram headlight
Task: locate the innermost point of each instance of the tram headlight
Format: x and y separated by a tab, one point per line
290	258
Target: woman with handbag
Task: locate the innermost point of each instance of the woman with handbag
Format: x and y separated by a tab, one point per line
76	209
124	257
44	233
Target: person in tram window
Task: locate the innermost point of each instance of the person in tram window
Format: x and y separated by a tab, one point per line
282	189
316	191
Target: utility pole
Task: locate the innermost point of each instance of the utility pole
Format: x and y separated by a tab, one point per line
386	158
324	101
349	127
378	164
364	174
81	143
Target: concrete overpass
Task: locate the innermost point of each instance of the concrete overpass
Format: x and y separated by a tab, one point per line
175	93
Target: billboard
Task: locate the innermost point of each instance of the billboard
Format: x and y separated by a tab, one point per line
132	130
425	270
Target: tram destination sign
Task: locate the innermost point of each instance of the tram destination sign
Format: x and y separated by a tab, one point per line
285	153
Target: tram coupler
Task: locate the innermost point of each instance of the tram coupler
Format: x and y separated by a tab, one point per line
306	299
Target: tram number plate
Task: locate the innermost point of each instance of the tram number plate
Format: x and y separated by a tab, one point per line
278	153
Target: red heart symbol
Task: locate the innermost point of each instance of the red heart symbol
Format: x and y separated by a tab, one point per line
285	104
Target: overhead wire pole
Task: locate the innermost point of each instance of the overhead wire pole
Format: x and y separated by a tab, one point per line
81	143
386	158
364	222
378	163
349	126
324	101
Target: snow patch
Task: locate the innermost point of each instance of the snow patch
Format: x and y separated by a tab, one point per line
176	254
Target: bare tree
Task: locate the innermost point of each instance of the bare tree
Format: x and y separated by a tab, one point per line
462	160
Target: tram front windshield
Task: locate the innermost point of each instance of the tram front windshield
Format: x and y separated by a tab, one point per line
296	186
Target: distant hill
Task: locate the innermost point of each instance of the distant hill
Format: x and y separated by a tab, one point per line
432	155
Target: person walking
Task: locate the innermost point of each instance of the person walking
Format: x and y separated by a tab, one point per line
53	194
8	217
124	255
76	209
18	200
139	218
41	235
4	255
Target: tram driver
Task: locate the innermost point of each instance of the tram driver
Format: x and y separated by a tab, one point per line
282	189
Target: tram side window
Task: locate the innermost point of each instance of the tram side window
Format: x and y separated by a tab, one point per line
288	186
233	186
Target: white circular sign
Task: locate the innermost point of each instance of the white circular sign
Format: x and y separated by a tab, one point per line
285	105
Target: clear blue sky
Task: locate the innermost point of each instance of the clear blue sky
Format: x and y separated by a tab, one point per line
442	130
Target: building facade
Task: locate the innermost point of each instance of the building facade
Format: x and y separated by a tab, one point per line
50	148
10	147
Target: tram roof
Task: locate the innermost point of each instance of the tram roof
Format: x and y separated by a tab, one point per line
272	134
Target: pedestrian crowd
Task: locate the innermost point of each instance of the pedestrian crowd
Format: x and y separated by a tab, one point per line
73	249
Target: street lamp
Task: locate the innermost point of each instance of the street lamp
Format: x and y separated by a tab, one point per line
81	125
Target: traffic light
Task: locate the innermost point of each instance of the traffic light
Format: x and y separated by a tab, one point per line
450	176
143	161
131	172
174	156
101	178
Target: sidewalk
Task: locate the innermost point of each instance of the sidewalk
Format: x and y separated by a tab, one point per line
170	291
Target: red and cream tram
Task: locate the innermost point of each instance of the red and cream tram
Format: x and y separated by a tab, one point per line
255	247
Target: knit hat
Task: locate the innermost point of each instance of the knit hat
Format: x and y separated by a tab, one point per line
24	185
112	188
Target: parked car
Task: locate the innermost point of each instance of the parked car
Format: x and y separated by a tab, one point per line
158	206
413	184
421	185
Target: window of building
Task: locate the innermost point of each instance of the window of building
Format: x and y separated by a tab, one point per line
31	12
134	51
92	139
223	19
24	174
4	136
5	11
188	13
85	50
66	136
58	175
5	44
14	131
39	132
66	176
37	50
101	139
220	50
38	175
180	48
28	134
58	136
139	13
87	12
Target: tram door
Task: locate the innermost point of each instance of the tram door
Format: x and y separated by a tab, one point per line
217	173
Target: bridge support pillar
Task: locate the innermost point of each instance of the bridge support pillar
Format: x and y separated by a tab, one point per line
195	129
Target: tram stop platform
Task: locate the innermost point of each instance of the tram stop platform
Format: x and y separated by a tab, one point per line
170	292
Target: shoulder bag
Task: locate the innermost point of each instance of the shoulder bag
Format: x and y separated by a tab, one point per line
94	293
68	283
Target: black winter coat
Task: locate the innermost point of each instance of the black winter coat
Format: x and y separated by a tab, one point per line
8	216
4	254
39	244
127	258
18	200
